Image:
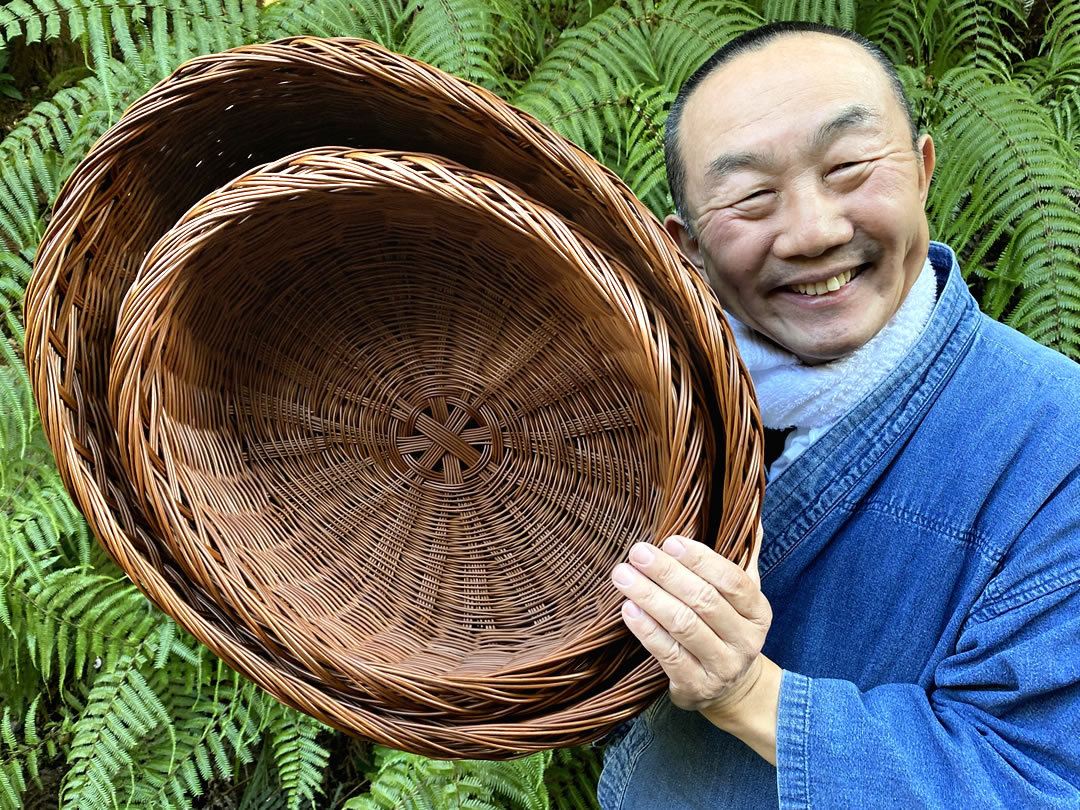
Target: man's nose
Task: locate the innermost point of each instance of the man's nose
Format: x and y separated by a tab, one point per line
813	221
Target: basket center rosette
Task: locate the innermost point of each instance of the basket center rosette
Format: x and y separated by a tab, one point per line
374	421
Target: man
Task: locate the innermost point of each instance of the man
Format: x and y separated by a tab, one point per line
913	639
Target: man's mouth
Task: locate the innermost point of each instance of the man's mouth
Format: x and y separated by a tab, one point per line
829	284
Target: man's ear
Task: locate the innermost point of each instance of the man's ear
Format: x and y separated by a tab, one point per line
678	231
925	148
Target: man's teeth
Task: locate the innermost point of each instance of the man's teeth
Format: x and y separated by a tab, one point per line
822	287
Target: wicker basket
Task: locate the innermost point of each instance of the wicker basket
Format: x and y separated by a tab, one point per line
374	426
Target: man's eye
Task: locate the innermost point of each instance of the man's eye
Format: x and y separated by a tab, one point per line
839	167
756	196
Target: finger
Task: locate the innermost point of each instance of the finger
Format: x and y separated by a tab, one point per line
678	663
736	586
691	591
677	619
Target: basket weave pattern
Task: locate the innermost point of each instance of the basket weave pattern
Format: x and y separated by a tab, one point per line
376	425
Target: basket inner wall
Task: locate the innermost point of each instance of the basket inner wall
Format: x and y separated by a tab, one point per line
378	356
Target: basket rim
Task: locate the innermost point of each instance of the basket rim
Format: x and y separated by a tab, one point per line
317	171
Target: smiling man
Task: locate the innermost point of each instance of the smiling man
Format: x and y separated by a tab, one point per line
910	635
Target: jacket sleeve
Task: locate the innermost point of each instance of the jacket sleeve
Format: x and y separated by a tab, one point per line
999	726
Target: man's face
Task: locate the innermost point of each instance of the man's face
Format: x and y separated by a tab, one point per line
806	196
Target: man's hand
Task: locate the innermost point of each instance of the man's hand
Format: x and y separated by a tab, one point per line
705	620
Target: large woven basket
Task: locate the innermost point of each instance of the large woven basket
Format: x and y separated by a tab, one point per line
369	379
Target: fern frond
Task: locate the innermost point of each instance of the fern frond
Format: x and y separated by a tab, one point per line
998	198
410	782
214	724
456	36
589	63
840	13
263	792
299	758
1054	75
572	776
37	156
1061	45
18	760
896	27
636	154
533	28
122	710
80	620
173	30
17	409
377	20
1066	115
979	34
684	33
608	85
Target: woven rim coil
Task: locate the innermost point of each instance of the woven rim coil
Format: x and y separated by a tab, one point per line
368	379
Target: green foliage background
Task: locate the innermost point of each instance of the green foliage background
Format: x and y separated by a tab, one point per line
104	701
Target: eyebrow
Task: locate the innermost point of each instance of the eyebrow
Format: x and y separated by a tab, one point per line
852	117
855	116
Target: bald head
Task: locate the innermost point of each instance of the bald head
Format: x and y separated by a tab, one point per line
758	40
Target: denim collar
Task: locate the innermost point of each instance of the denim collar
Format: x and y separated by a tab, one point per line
845	462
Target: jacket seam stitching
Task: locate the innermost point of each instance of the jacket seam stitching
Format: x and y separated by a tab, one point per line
980	541
1025	361
1036	590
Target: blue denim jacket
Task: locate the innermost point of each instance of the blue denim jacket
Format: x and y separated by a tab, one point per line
922	559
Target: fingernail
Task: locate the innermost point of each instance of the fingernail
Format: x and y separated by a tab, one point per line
674	546
642	554
623	575
631	610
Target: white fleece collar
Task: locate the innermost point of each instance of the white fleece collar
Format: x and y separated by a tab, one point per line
793	394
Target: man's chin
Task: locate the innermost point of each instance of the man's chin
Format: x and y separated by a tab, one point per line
814	351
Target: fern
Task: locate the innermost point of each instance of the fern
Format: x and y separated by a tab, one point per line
167	31
1054	75
262	791
18	760
215	723
122	709
974	34
840	13
684	33
377	20
1061	45
95	679
410	782
299	758
897	28
998	199
589	64
571	778
457	36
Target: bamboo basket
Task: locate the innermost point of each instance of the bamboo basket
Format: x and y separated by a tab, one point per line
368	379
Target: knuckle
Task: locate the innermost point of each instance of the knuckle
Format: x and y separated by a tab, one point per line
705	600
670	657
654	636
664	567
683	621
736	583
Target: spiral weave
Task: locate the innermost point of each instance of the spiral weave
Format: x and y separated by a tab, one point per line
368	379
